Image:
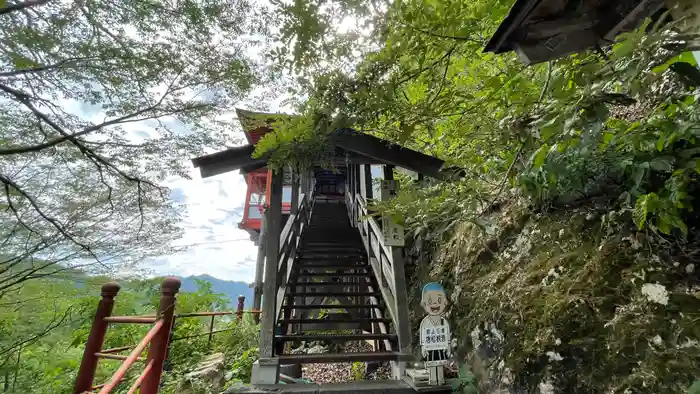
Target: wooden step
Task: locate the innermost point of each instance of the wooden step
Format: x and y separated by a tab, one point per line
333	321
323	284
333	274
343	357
331	256
335	337
334	294
336	266
323	306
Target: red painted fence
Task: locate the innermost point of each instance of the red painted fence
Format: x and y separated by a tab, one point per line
157	340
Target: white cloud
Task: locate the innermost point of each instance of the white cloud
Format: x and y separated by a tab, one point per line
216	245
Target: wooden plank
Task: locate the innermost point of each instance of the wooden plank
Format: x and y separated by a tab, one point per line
274	219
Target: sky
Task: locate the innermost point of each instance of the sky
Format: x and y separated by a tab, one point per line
214	207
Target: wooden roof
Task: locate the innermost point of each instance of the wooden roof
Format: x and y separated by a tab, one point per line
358	148
543	30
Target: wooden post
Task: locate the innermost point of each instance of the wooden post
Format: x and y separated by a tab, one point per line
211	331
368	182
295	193
403	329
239	308
158	350
88	366
274	220
259	268
305	183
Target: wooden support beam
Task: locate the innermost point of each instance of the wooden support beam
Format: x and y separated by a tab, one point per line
368	182
274	224
260	267
295	193
403	329
389	153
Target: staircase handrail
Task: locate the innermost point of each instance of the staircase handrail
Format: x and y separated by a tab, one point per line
289	243
379	254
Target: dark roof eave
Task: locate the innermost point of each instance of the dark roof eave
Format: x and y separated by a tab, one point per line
518	13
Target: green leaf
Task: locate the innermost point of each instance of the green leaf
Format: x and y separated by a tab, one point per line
663	164
695	388
644	205
539	156
21	62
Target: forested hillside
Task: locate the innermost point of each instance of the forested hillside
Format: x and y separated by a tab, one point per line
570	245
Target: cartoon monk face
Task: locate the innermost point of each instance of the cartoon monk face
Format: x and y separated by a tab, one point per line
434	300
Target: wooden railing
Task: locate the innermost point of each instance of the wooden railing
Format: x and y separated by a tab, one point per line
387	265
380	256
289	242
157	340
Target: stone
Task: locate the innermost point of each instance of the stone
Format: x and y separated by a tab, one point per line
208	373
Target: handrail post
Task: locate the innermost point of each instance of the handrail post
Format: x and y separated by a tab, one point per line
158	350
260	267
239	308
88	365
211	330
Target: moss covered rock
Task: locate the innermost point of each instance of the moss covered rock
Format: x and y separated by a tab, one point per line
571	302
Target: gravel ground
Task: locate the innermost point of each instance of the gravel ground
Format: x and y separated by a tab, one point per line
342	372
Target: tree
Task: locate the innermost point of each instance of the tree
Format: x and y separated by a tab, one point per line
80	81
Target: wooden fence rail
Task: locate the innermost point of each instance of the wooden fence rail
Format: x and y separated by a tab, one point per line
157	340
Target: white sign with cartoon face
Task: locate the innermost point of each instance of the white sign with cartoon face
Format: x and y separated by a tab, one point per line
435	336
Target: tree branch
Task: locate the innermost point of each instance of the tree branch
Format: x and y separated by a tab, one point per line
20	6
54	222
32	70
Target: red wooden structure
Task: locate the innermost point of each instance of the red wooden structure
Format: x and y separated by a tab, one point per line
258	181
157	340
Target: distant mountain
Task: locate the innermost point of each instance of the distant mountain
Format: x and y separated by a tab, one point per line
230	288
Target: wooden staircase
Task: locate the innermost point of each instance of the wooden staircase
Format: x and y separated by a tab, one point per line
332	284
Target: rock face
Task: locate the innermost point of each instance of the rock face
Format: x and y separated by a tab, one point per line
208	376
574	301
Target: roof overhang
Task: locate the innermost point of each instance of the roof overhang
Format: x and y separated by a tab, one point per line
355	147
543	30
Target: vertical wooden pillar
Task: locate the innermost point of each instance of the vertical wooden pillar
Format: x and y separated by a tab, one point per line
259	268
158	350
295	193
403	329
88	365
239	307
356	170
305	180
270	286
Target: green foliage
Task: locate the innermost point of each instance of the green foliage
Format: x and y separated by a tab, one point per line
358	370
466	382
299	141
695	388
45	323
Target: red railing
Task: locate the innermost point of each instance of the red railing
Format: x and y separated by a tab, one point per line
157	340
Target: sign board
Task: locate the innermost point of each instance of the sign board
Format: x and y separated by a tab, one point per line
392	232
